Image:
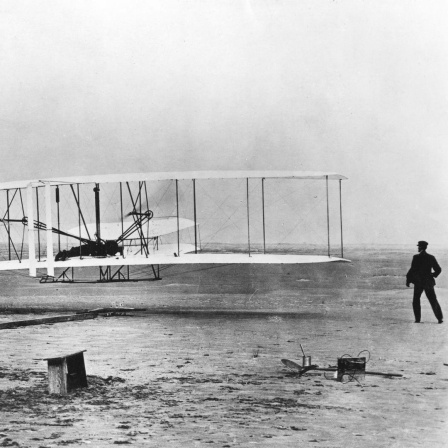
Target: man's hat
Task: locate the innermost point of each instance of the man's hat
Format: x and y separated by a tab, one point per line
422	243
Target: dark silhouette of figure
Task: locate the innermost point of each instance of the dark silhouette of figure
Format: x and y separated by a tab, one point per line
424	269
91	249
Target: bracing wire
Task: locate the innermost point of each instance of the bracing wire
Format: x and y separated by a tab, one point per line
299	222
229	217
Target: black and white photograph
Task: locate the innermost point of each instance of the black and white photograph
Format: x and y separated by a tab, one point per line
223	223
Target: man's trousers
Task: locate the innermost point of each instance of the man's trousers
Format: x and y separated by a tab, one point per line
431	295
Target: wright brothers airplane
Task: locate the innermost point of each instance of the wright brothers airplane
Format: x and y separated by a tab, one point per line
115	224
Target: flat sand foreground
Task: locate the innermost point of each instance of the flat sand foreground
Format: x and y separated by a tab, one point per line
204	369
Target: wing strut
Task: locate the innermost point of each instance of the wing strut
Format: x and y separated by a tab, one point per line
38	230
195	220
31	247
328	216
9	225
79	221
59	218
340	214
97	212
177	216
262	203
248	218
50	259
121	209
23	231
147	208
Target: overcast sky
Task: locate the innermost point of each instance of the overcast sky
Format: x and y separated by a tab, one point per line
355	87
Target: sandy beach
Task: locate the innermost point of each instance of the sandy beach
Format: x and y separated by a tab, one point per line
201	366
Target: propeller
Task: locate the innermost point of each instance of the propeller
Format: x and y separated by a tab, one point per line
140	213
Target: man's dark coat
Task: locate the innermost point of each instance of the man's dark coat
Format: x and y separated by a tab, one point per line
421	272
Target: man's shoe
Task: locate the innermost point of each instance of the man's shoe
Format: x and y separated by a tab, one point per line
440	321
417	322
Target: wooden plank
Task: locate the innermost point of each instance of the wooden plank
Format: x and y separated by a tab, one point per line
112	310
46	320
57	377
76	372
66	373
55	358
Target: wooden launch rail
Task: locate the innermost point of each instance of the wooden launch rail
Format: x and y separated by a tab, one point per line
291	365
83	315
331	369
46	320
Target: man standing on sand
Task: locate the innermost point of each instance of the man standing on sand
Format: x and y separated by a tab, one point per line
422	276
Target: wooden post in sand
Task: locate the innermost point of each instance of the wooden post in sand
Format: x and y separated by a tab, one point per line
66	373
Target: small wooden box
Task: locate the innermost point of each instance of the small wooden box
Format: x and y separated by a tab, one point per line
66	373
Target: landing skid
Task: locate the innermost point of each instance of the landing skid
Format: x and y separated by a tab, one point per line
106	275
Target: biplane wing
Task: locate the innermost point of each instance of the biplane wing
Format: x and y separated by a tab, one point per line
136	234
172	258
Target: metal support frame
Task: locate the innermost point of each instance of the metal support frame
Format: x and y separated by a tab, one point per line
140	184
38	219
177	217
9	224
328	216
264	222
62	278
248	214
65	277
50	258
195	218
97	212
31	243
23	231
6	221
108	275
105	275
122	218
340	214
59	218
147	222
144	242
79	221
